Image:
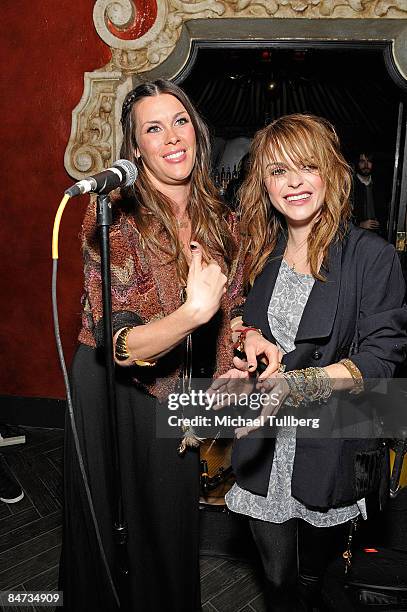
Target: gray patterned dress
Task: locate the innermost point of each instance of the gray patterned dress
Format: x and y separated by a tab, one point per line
285	310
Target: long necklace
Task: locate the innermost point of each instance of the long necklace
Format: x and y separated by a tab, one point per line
184	234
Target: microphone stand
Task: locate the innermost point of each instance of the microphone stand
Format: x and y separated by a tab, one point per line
120	534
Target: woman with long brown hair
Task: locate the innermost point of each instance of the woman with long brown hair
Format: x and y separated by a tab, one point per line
327	300
172	251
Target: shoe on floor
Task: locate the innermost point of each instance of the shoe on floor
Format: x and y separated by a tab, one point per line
10	490
10	436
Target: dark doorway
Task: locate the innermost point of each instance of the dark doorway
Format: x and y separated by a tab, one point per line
239	90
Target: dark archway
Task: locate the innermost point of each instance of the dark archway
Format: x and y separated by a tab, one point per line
240	90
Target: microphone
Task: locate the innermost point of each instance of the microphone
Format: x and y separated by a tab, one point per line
123	173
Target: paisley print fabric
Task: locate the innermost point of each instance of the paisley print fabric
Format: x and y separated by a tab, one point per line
285	310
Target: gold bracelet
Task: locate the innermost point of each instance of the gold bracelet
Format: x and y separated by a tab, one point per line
356	375
121	351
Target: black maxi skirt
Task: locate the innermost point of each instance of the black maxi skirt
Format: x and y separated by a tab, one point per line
160	498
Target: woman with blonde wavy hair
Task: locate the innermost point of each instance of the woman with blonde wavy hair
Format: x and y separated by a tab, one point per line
326	309
172	257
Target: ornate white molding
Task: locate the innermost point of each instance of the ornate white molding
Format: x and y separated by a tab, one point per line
144	53
321	8
93	144
92	141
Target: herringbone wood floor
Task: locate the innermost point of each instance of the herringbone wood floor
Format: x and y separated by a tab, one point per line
30	530
30	534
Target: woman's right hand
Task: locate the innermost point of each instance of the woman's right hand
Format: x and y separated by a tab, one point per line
258	347
205	287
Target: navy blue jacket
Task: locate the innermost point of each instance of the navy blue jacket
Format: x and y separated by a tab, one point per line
362	296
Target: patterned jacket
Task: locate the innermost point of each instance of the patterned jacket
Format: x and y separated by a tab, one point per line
144	289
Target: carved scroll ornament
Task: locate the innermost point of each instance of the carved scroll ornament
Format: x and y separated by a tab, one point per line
143	53
143	33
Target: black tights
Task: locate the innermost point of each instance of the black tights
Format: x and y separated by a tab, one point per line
294	555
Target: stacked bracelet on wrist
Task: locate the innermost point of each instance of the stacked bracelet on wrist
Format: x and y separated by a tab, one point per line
121	351
356	375
308	385
236	322
239	344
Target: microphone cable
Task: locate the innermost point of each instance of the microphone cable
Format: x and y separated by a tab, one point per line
55	234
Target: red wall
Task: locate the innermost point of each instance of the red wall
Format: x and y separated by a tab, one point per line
47	46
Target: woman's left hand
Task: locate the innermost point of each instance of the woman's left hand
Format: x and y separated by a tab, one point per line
233	383
277	388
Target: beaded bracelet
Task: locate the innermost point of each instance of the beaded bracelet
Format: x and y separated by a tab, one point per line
239	344
121	351
308	385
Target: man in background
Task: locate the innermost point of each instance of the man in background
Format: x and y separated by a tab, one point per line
369	204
